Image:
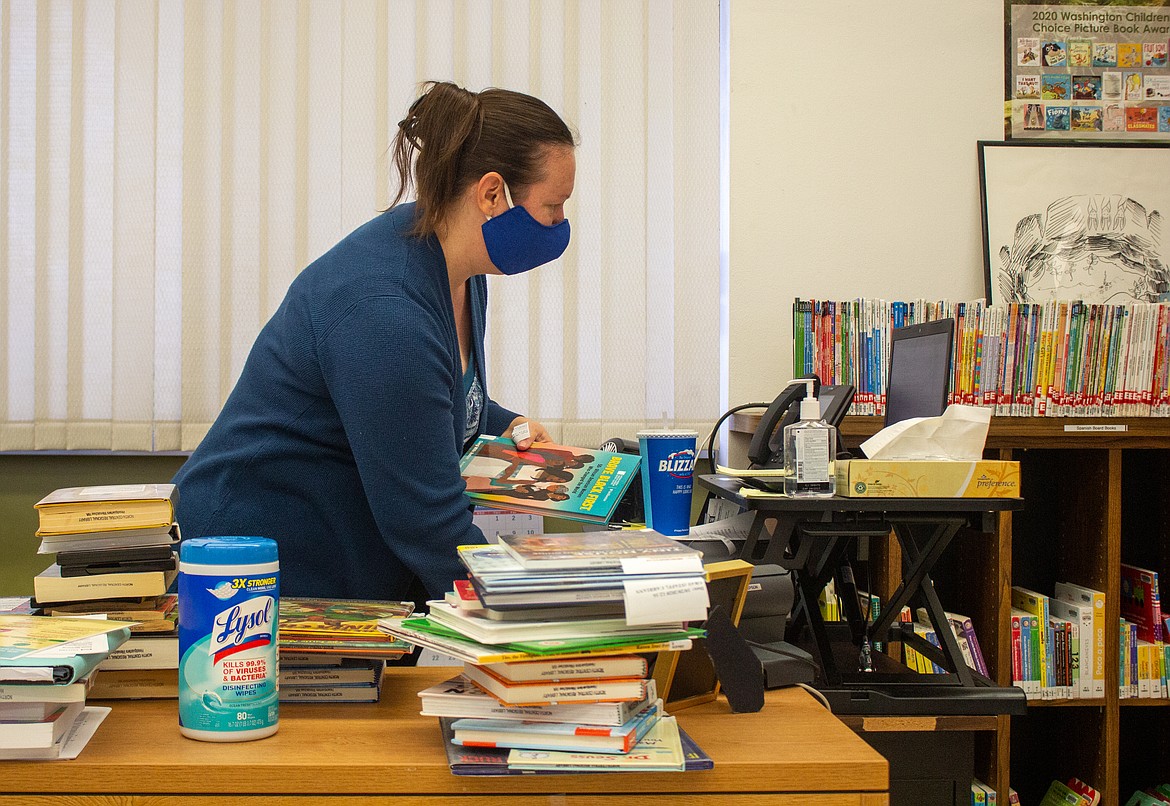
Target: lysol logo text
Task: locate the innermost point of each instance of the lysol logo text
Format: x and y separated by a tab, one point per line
243	626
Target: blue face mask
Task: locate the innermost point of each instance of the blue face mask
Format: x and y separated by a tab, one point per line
516	242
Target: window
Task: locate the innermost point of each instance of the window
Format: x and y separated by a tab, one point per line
167	168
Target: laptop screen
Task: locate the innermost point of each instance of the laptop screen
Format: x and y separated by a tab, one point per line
920	370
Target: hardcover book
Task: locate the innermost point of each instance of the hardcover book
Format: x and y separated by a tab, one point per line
350	671
136	684
118	567
573	669
145	609
459	697
145	652
529	735
339	624
50	586
89	558
551	692
548	479
360	648
493	568
42	732
371	692
487	631
71	742
433	635
107	507
494	761
1141	602
23	701
114	539
609	549
1080	595
659	750
531	605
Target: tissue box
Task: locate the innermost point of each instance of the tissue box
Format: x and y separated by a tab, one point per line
925	478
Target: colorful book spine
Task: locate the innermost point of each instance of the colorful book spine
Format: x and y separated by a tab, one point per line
1056	358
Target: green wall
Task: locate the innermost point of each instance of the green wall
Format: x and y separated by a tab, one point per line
27	478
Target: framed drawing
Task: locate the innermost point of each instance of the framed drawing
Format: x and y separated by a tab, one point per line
688	678
1072	221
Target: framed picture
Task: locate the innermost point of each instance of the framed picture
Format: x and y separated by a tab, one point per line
688	678
1075	221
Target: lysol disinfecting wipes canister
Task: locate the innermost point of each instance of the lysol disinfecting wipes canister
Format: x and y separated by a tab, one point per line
229	596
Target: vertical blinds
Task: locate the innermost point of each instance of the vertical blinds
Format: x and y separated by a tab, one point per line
166	168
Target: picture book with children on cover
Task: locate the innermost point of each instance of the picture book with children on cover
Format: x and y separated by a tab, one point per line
582	484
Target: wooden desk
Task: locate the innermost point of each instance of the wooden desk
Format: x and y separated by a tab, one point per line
792	752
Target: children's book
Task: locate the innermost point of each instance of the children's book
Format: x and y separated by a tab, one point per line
582	484
353	619
659	750
1080	615
1080	595
574	669
1141	602
1059	794
1092	796
551	692
459	697
433	635
493	569
530	735
609	549
494	760
487	631
44	649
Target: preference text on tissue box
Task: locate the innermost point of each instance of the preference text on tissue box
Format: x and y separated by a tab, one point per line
928	478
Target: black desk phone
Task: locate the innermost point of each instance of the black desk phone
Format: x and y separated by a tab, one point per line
767	446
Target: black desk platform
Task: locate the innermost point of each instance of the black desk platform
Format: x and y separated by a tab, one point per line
811	536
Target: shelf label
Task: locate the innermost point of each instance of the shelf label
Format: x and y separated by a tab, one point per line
1096	428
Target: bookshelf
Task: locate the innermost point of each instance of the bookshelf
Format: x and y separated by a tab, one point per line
1093	499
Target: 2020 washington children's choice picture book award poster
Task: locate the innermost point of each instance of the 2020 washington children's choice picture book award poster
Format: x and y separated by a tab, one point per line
578	483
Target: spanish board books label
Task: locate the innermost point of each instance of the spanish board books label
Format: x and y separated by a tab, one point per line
228	604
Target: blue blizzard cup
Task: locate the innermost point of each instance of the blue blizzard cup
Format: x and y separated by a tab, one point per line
668	476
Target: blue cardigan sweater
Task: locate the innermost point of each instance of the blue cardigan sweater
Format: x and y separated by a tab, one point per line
342	437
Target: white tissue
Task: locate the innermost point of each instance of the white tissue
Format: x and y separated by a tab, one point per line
959	433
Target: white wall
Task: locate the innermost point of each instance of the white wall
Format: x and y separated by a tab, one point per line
853	161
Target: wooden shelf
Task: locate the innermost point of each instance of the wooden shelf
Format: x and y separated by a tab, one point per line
1095	495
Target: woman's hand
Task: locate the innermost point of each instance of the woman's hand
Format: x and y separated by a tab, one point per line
536	433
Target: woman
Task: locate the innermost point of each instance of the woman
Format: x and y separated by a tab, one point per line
342	437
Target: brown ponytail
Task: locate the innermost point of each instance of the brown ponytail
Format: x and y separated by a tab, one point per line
451	137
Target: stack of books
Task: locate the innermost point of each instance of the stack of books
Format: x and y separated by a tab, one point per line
331	650
47	667
115	556
558	682
1058	641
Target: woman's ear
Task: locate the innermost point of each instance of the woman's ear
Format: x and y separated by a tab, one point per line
489	194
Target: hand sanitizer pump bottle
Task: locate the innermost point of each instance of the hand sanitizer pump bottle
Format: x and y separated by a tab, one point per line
810	445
